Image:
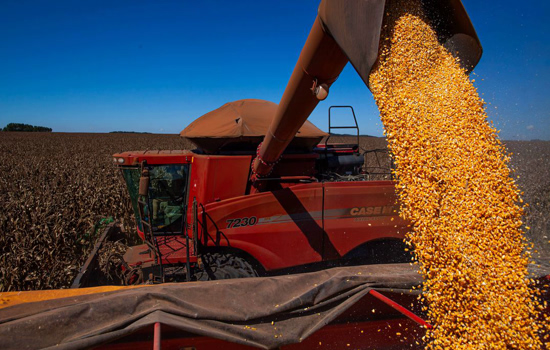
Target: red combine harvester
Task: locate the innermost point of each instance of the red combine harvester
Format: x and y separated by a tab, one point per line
242	207
207	214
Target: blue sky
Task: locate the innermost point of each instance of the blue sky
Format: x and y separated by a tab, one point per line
99	66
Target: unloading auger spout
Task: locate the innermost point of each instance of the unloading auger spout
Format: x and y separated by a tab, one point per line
349	30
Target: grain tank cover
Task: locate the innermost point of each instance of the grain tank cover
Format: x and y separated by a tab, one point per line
241	125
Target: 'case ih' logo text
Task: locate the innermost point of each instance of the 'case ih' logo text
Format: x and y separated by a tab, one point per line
372	211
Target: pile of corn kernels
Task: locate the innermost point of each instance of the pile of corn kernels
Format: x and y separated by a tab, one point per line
457	190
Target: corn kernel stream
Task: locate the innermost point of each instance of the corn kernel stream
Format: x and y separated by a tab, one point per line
457	190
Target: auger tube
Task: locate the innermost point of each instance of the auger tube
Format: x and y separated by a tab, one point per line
349	30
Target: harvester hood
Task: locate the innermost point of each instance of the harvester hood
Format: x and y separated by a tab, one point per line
242	124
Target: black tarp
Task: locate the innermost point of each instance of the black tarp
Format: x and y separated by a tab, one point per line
298	304
240	311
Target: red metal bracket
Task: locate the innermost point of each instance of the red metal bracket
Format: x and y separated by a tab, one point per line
400	308
156	337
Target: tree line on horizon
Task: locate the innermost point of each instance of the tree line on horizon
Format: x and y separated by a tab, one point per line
26	127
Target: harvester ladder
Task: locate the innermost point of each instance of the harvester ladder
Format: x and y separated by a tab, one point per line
150	238
186	231
183	233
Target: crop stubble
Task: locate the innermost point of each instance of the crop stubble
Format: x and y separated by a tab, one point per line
55	187
53	190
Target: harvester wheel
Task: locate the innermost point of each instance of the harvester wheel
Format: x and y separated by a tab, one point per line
221	266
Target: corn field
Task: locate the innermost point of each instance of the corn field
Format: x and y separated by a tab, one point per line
55	187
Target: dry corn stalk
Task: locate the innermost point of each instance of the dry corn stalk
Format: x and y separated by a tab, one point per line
456	188
53	188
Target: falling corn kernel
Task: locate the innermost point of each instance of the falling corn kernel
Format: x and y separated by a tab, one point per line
455	187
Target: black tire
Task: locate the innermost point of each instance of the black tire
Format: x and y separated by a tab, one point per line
221	266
